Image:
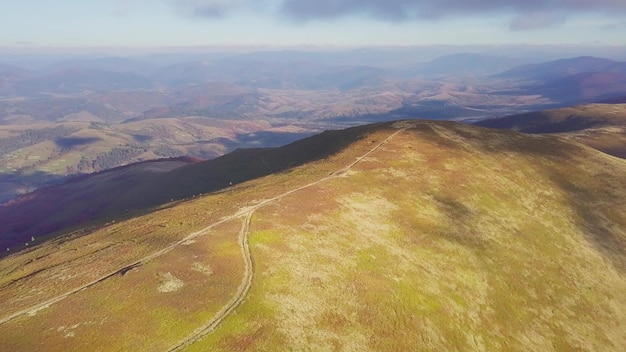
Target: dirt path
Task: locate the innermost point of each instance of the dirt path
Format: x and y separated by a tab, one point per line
246	282
242	291
243	240
34	309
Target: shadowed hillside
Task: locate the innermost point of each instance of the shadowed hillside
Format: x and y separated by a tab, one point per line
413	235
573	81
139	186
553	70
585	87
601	126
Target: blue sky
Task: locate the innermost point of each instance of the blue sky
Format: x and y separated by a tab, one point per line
176	23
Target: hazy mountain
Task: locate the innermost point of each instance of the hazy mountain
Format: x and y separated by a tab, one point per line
8	71
270	74
616	100
573	81
467	64
212	99
276	97
110	64
386	237
553	70
78	80
348	77
9	75
191	73
584	87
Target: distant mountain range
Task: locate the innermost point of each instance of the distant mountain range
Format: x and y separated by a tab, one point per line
467	64
585	87
565	68
572	81
297	71
80	81
134	109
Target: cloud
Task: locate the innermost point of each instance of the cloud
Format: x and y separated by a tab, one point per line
429	9
394	10
210	8
529	14
537	20
614	26
121	8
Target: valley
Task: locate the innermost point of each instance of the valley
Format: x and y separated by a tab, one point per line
82	115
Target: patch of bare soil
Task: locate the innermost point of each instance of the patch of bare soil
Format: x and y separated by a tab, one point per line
170	283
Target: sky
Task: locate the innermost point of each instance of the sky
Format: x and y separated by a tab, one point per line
284	23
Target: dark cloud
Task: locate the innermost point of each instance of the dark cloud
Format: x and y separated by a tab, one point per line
380	9
529	14
209	8
433	9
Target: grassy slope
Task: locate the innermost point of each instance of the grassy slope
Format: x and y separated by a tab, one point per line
447	237
450	238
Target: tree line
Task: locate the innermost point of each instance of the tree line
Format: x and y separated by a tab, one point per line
31	137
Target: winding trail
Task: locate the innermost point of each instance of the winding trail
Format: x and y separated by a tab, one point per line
34	309
246	282
242	291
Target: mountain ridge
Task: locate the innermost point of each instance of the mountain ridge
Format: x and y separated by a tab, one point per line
600	126
561	68
431	232
112	192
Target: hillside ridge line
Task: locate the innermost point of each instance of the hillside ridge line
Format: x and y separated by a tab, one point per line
245	211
